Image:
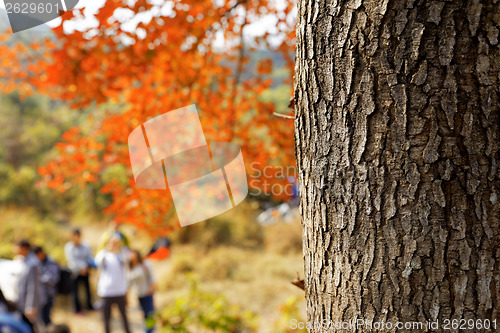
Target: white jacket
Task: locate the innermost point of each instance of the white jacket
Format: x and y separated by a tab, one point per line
113	273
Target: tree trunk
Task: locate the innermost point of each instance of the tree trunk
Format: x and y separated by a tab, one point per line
397	144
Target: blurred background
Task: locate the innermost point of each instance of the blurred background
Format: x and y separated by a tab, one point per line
71	92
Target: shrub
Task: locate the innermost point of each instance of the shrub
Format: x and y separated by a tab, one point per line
237	227
289	311
184	261
205	312
27	224
221	263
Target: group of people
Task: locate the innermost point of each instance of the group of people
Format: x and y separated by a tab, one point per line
120	268
37	277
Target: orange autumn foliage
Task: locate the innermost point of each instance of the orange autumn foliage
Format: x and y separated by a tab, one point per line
164	64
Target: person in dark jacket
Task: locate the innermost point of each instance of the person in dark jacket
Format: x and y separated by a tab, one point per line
49	280
30	298
12	320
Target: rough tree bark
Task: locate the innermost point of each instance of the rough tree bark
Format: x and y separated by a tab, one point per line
397	144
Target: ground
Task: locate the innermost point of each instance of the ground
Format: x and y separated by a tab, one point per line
254	280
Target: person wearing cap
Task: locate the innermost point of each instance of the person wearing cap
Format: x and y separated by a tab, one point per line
49	278
112	286
114	230
79	258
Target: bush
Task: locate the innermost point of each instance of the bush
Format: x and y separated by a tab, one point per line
221	263
205	312
288	312
183	262
27	224
237	227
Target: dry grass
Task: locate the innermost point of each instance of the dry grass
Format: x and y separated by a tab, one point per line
232	256
25	224
284	238
256	281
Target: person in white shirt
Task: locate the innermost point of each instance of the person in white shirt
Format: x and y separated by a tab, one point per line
142	280
112	286
79	258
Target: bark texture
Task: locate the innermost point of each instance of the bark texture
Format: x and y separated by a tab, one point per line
397	144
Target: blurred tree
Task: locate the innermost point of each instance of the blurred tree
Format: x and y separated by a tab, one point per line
30	129
171	59
25	136
397	139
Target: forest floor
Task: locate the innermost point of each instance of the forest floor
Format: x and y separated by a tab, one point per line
91	321
255	281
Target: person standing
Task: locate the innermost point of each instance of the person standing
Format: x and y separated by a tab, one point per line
49	278
79	258
30	298
142	280
112	286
